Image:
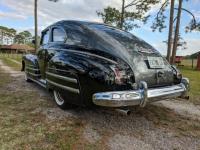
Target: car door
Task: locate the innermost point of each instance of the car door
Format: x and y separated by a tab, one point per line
42	53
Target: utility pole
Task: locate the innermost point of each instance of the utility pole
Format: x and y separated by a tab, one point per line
122	14
176	38
169	47
36	25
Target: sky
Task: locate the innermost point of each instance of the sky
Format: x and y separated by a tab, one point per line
18	14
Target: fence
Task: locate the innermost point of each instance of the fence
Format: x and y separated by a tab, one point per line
189	63
11	55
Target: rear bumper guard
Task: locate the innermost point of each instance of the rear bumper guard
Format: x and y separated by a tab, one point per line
141	96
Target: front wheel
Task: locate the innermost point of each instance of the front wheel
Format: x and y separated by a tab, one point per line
60	101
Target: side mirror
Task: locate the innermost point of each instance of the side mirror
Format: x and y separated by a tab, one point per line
33	41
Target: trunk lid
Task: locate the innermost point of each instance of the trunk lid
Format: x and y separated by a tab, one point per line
154	76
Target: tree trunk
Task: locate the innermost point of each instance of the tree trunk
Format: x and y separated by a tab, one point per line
176	32
1	42
36	26
122	15
170	31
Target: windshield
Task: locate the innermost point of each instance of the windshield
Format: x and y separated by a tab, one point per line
127	40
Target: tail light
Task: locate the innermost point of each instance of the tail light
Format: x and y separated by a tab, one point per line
120	75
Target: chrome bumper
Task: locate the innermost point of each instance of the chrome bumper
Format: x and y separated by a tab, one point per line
141	96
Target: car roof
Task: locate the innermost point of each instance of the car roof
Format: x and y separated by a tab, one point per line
77	22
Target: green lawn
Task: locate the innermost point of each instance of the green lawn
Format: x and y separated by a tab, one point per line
194	77
7	60
17	57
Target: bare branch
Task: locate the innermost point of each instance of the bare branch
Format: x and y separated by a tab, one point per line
161	8
189	12
134	2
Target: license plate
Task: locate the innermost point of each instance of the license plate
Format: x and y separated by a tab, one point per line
155	62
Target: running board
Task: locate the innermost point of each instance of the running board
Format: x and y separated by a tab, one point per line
41	82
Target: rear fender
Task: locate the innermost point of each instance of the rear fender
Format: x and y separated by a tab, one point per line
85	69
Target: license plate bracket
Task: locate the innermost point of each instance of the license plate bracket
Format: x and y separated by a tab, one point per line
155	62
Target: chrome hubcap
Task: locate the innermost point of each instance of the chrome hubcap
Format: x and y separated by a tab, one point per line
58	98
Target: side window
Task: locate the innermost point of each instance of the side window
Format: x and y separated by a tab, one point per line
76	37
58	35
45	37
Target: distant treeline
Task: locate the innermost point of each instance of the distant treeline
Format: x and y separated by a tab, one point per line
11	36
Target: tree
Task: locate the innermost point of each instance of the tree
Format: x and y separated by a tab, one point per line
169	45
128	15
159	24
7	34
19	39
176	32
23	37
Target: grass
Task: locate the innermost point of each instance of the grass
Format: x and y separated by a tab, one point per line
21	127
7	61
194	76
4	79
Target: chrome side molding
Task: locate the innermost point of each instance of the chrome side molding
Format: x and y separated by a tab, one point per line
30	68
73	90
33	74
62	77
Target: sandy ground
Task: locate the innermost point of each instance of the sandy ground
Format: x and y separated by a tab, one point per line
119	132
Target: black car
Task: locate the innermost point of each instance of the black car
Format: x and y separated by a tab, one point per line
88	64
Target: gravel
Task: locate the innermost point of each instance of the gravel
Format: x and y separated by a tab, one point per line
183	108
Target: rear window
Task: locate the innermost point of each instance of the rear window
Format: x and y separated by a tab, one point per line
126	39
76	36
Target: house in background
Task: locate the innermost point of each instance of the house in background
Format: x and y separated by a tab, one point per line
198	60
195	56
16	49
178	59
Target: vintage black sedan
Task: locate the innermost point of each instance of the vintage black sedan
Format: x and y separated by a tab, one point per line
93	64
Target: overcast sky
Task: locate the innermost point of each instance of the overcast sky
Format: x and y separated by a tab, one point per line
18	14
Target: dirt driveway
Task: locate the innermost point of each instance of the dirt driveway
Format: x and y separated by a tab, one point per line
30	119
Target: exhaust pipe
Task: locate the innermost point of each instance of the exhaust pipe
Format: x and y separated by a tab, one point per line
126	112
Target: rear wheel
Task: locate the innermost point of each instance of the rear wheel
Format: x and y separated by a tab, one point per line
60	101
